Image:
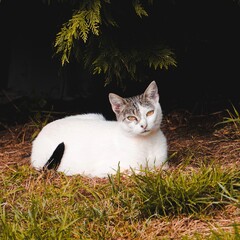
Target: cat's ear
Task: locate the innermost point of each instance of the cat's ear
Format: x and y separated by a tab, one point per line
117	102
152	92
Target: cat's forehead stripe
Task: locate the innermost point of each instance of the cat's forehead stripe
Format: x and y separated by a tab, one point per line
139	99
133	105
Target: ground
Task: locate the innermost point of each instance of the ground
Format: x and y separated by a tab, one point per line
203	135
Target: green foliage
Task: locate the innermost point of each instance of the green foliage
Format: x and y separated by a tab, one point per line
83	21
117	64
99	41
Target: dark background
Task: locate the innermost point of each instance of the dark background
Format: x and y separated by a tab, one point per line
203	34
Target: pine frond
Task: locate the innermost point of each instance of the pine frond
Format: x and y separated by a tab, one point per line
90	37
115	63
82	23
139	9
160	57
93	17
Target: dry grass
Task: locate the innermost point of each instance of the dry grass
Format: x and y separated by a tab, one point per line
193	140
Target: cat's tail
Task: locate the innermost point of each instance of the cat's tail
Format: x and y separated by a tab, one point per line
55	160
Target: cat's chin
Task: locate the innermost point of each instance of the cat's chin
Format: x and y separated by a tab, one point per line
145	132
148	132
137	134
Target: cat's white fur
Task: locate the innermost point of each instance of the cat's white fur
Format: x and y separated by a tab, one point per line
96	147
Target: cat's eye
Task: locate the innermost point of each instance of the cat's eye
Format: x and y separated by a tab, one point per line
150	113
132	118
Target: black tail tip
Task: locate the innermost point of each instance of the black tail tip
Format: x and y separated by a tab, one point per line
55	160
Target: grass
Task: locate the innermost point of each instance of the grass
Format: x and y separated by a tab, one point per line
233	119
53	206
50	205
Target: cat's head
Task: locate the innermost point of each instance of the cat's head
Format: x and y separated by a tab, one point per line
141	114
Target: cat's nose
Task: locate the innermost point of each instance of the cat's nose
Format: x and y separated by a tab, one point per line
144	126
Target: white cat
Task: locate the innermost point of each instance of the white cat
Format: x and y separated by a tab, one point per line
88	144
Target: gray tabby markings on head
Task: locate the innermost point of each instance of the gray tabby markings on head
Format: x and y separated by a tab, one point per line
132	105
122	106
